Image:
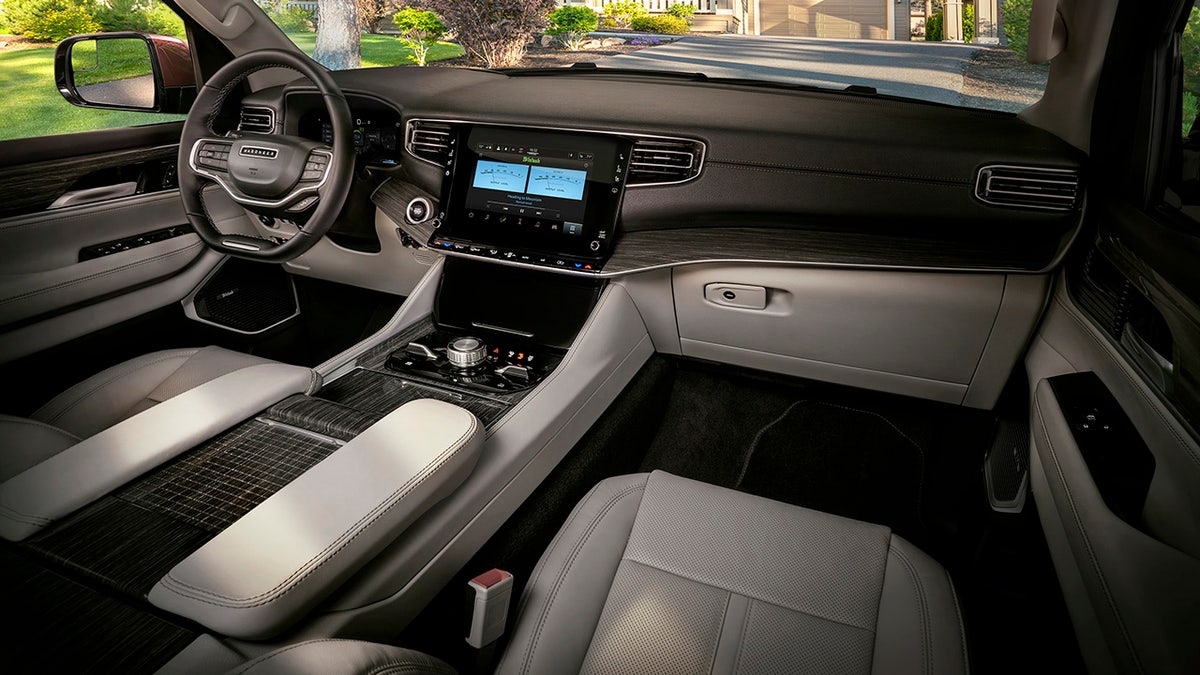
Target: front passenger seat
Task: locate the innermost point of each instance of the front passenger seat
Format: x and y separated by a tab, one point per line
109	397
653	573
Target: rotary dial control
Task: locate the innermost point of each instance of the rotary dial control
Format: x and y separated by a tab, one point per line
466	352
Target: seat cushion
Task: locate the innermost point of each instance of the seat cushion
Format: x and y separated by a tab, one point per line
343	657
128	388
653	573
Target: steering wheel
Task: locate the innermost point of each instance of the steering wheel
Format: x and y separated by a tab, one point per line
270	175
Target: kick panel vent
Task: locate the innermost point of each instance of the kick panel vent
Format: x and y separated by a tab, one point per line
1028	187
664	161
430	141
257	119
1105	293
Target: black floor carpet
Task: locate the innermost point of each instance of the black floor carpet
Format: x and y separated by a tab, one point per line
912	465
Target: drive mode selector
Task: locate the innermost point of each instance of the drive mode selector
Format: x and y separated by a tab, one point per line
466	352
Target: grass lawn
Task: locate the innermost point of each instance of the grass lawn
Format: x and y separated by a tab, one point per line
100	61
33	106
380	51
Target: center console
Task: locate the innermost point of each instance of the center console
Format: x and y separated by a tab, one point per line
531	198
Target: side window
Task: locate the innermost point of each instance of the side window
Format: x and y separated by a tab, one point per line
1189	49
29	32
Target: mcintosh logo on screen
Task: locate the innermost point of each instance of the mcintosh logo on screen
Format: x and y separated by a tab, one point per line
531	160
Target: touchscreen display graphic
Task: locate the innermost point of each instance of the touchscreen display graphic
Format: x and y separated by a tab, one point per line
523	192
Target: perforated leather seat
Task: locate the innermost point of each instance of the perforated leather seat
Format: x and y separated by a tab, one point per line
107	398
653	573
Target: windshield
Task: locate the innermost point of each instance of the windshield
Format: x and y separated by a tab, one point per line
903	48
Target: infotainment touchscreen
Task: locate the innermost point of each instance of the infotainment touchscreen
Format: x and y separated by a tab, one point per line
537	191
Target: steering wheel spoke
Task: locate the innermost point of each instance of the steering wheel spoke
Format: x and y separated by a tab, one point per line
274	175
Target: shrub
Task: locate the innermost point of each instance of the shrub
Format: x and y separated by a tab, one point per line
682	11
660	23
623	12
144	16
572	24
57	24
31	18
934	27
494	31
419	31
1189	49
293	19
608	22
1016	25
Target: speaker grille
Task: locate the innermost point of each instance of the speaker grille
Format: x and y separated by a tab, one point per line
247	297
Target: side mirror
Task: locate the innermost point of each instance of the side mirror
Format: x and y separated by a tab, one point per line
125	71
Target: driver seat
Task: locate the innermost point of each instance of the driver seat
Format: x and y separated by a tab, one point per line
109	397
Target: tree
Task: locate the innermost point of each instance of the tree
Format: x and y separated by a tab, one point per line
338	38
494	31
419	31
371	14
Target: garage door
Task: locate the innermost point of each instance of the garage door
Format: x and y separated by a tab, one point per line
825	18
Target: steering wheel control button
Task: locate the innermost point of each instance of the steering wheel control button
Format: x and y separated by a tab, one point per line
418	211
466	352
304	203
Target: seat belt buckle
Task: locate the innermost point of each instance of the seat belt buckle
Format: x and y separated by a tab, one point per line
487	604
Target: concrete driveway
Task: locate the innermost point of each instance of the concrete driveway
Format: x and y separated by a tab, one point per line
930	71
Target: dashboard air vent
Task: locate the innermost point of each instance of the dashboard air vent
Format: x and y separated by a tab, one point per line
661	161
1104	292
1028	187
257	119
429	140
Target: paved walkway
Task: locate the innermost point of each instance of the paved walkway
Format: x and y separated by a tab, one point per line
930	71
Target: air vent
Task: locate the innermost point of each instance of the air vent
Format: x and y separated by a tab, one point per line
1028	187
261	120
430	140
662	161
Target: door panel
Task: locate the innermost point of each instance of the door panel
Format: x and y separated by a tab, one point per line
1133	589
65	272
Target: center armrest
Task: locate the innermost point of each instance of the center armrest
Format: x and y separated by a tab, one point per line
288	553
97	465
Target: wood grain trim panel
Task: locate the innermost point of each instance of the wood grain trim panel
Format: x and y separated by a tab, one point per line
30	188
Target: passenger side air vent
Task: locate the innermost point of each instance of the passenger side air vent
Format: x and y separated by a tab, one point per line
257	119
429	140
1028	187
657	161
1104	293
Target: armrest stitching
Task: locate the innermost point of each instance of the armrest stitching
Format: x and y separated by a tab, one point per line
185	353
291	582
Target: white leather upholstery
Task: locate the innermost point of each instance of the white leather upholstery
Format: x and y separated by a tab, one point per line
128	388
284	556
25	442
64	479
656	573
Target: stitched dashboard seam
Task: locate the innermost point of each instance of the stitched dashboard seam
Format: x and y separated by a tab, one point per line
834	171
838	174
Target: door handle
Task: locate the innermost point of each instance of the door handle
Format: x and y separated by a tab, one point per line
96	194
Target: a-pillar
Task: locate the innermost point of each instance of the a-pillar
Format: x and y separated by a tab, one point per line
987	22
952	21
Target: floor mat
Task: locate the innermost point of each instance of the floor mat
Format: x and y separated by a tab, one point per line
838	459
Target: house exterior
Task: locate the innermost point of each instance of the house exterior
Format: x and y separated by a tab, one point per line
870	19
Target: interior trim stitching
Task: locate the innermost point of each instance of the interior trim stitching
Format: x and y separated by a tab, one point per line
246	667
341	542
132	202
752	598
737	663
918	588
962	629
132	368
1087	543
12	419
570	562
92	277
